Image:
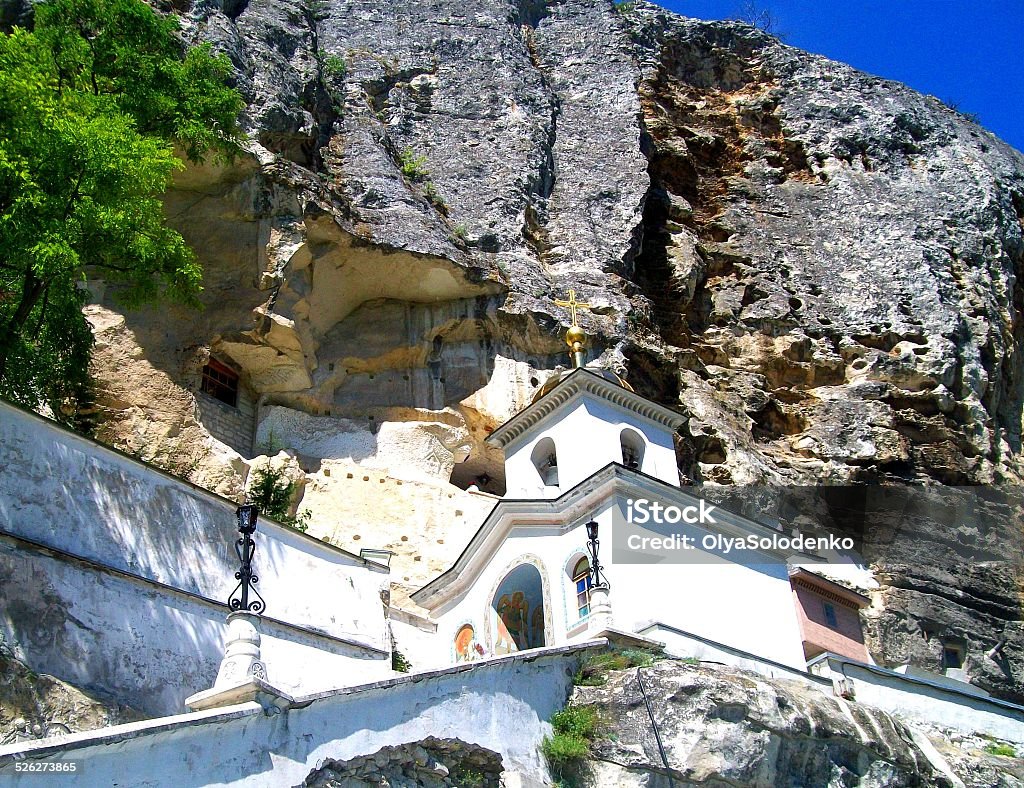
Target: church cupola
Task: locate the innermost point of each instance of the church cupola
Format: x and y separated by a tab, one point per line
581	420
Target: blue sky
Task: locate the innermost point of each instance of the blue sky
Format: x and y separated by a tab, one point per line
970	52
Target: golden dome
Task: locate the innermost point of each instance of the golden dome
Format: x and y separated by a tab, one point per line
558	377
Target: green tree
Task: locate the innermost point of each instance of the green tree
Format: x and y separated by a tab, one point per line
94	103
272	492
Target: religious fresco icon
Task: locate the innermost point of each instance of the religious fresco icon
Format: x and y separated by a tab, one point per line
537	626
467	649
517	611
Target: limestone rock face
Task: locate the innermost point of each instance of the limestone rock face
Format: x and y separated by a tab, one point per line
836	256
819	267
33	706
723	726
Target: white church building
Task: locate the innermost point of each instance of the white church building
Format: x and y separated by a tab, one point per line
589	450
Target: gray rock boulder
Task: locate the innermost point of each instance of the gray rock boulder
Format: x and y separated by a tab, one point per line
727	727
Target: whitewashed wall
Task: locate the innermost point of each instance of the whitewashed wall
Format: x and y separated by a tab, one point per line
923	701
586	436
748	606
126	540
502	705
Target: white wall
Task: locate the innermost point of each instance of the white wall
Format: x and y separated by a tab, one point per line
748	607
64	492
502	705
926	703
586	433
679	643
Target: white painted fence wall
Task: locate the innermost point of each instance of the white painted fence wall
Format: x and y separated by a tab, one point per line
927	702
115	577
501	704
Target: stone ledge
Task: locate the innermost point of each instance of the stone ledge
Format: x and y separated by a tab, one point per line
268	696
117	733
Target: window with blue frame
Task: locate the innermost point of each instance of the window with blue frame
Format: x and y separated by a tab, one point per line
581	577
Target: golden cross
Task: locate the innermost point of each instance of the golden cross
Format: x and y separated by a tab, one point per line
572	303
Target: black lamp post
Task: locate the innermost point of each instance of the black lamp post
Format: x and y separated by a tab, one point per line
593	544
245	547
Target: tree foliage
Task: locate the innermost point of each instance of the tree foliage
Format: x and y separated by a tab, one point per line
94	101
272	492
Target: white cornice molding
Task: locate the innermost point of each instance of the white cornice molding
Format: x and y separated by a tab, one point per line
565	513
579	382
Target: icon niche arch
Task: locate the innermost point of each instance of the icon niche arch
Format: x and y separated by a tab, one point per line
519	611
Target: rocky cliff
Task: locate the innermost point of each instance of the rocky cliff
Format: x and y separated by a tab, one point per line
714	726
33	705
819	267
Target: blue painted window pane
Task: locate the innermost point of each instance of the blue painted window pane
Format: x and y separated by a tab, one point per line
581	576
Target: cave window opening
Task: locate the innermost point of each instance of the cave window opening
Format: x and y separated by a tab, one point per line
952	656
220	382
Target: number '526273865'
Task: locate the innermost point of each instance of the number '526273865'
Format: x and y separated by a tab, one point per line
46	766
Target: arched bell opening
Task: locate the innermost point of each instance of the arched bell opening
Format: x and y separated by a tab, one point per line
545	460
632	446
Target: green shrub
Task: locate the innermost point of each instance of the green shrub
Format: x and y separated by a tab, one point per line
467	778
399	662
334	66
1001	749
434	197
413	167
565	750
578	721
562	750
594	669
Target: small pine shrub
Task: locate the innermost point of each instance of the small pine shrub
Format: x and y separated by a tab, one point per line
399	662
272	493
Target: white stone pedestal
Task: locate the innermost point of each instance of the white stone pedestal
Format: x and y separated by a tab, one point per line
242	675
600	609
